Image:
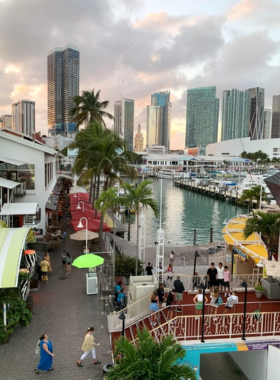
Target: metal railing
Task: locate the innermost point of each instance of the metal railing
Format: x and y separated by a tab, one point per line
178	261
219	326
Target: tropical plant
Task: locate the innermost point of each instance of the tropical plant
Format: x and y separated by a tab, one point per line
125	266
266	224
253	194
149	360
88	108
3	224
139	197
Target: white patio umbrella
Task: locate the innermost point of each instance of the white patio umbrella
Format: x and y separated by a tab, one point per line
83	235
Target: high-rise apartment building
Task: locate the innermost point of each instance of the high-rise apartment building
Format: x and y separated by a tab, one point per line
6	121
139	140
162	99
63	86
235	114
23	117
124	121
256	117
275	124
202	116
154	125
267	123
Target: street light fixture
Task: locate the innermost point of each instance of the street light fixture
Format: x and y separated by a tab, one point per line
80	225
79	207
203	287
244	285
122	318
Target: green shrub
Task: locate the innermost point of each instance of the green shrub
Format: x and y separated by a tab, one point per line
125	266
258	288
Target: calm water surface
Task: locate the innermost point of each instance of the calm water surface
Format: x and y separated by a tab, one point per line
182	212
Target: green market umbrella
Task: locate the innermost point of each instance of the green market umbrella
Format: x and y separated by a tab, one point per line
89	260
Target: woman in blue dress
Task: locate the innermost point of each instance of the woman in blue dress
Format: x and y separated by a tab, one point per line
46	354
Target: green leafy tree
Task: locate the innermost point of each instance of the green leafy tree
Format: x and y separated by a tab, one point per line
139	198
125	266
253	194
149	360
88	108
266	224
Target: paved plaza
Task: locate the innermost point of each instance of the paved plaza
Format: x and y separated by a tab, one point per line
61	309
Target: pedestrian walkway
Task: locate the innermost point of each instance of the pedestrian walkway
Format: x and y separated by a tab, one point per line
61	309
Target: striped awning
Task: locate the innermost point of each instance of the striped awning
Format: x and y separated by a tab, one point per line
11	245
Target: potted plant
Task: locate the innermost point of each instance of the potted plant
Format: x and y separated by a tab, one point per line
258	291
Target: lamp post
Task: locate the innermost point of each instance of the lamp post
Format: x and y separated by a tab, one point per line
244	285
203	287
79	207
196	254
80	225
122	318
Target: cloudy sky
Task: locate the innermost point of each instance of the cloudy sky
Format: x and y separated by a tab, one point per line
132	48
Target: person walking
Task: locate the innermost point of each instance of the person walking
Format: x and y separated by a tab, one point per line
46	355
89	346
68	260
149	269
44	270
171	300
154	307
231	301
63	255
120	299
179	288
214	302
172	257
169	271
198	300
118	288
212	276
220	276
48	258
226	275
160	293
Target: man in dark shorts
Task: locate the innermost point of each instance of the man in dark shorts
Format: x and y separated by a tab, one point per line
212	274
149	269
160	292
179	287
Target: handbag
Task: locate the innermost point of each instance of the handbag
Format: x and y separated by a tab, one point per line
37	348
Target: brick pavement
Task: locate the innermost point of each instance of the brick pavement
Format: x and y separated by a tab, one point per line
61	309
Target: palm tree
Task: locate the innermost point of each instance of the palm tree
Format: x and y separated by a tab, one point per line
266	224
140	197
149	360
254	193
88	108
109	200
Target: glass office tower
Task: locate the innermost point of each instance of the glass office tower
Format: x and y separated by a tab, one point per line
202	116
124	121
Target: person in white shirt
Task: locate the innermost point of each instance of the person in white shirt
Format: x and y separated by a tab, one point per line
231	301
220	276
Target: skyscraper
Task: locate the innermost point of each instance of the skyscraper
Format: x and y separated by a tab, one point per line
23	117
256	117
235	114
275	125
267	123
202	116
154	125
6	121
162	99
63	85
124	121
139	140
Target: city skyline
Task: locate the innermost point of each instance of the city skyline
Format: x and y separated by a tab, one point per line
148	47
124	121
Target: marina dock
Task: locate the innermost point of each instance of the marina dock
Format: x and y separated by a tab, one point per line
227	193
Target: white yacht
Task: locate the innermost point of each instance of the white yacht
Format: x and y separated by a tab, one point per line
170	174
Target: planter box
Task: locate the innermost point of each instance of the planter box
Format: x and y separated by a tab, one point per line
271	289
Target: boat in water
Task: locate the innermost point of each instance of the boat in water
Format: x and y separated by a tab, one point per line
170	174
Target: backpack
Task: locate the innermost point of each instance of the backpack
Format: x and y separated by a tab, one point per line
37	348
219	301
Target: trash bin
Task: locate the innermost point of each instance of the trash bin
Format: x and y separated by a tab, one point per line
107	367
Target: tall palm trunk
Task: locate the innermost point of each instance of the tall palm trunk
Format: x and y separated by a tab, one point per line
137	243
102	216
91	188
94	191
97	190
